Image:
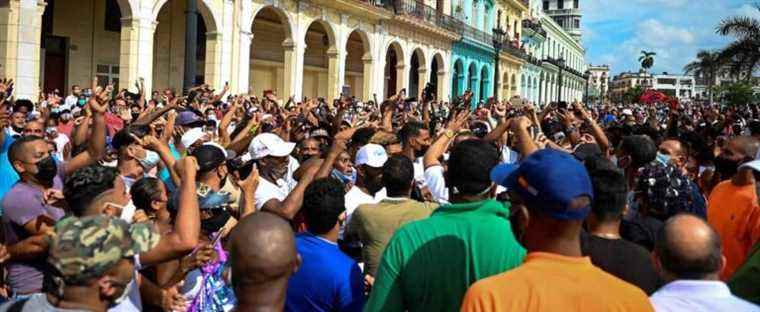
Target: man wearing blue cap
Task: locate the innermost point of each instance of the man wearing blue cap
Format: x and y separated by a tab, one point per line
556	193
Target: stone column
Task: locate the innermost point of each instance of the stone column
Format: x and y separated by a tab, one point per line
367	77
20	30
241	63
293	69
334	74
422	79
402	76
444	83
136	56
213	66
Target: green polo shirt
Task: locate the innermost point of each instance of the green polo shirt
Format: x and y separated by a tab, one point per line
429	264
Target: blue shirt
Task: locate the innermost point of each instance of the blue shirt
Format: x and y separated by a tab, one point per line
164	173
698	295
8	175
327	280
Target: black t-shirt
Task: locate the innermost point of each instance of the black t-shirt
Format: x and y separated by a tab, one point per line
623	259
641	230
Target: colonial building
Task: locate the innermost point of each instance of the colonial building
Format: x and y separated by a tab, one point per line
296	47
679	86
598	81
562	57
625	81
512	56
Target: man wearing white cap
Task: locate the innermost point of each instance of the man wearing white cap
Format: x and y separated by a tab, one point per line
369	186
276	169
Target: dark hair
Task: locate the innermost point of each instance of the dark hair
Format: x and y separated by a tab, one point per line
124	137
144	191
323	202
398	173
470	165
362	136
641	148
685	264
17	148
409	130
85	184
610	194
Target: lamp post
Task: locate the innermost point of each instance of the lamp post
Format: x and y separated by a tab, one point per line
588	74
561	65
498	41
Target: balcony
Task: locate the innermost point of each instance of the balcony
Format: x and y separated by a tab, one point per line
564	12
419	10
475	34
535	27
364	9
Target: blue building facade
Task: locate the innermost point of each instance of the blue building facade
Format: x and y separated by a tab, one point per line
472	60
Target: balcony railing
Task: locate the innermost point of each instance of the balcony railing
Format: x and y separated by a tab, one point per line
475	34
534	26
418	9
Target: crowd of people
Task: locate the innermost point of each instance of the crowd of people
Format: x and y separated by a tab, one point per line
115	200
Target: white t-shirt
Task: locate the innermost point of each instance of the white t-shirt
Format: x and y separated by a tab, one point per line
355	197
70	102
60	143
436	184
279	190
419	172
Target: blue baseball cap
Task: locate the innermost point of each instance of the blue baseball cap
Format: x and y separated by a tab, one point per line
548	180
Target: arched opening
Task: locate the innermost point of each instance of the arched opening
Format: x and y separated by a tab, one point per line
318	80
358	65
417	78
473	77
79	39
394	69
271	34
457	79
485	82
169	45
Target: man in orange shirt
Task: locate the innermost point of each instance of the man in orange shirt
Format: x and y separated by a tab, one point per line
732	207
554	193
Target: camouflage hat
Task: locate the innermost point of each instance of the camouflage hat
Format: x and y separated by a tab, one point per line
85	248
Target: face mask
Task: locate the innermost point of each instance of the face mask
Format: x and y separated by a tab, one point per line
111	164
55	110
46	170
344	178
124	294
150	161
127	211
81	102
213	224
421	152
662	158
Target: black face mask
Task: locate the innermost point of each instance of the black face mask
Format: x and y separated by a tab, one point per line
727	168
422	151
216	222
46	170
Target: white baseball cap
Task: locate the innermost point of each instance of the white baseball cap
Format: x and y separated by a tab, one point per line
372	155
269	144
627	112
191	136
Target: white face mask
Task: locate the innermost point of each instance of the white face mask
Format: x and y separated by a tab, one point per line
127	211
125	293
150	161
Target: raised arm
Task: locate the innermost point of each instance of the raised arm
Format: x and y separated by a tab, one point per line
187	225
96	149
596	130
438	147
290	206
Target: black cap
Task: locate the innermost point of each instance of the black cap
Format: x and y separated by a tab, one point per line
124	137
587	150
209	157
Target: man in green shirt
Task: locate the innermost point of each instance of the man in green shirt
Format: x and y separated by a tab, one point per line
374	224
429	264
745	283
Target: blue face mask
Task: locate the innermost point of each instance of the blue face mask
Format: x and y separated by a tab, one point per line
150	161
662	158
344	178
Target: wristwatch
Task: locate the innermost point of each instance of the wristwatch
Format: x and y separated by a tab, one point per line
449	133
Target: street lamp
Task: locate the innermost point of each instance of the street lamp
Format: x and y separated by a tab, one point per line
561	65
588	74
498	41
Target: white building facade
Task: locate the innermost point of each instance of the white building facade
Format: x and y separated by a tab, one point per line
682	87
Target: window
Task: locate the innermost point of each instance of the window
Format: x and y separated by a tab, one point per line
575	4
113	16
577	23
560	4
108	74
546	5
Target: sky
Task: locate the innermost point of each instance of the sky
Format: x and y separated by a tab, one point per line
615	31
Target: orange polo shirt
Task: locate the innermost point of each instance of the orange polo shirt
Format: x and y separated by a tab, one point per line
552	282
734	213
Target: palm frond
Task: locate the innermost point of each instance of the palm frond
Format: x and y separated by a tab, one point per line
740	26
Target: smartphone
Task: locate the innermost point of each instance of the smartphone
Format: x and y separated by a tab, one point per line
346	91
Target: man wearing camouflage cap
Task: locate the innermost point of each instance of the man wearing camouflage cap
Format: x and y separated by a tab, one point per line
92	262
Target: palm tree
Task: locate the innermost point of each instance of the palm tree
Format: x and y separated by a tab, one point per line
707	65
646	59
743	54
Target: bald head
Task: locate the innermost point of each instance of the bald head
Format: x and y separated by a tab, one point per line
688	248
747	146
262	251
